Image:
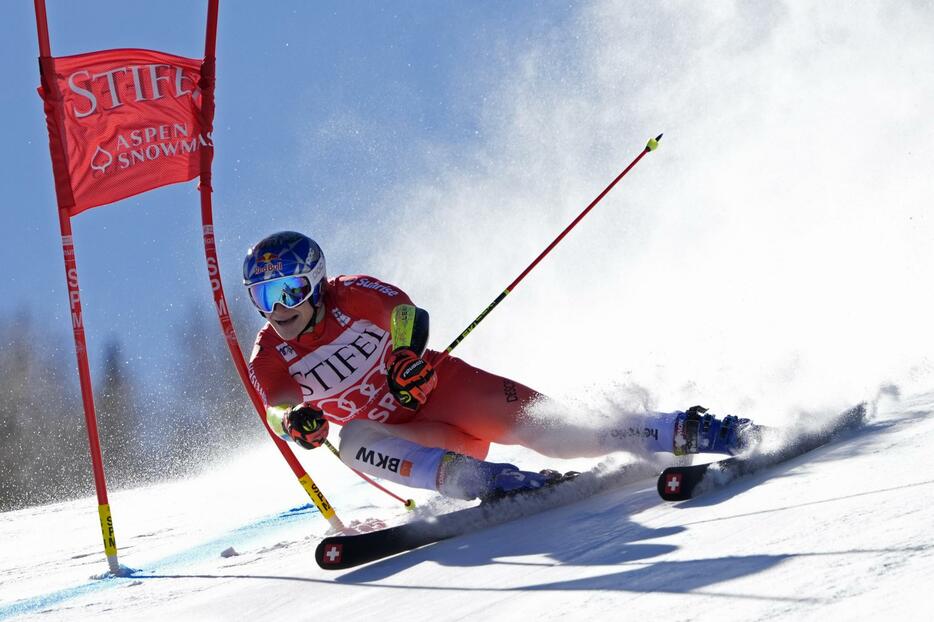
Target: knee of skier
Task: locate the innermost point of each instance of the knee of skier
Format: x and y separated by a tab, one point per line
356	434
475	448
369	448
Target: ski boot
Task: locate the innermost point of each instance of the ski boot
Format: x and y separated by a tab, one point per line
698	432
467	478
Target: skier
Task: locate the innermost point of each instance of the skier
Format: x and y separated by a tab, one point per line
351	351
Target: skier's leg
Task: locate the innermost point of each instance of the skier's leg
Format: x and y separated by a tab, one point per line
549	430
482	404
679	433
367	446
374	448
491	407
440	434
645	433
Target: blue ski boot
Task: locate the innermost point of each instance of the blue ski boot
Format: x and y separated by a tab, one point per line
697	432
463	477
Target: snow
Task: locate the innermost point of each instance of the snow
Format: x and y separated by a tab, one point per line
843	533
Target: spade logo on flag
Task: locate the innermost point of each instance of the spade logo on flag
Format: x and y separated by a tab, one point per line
101	160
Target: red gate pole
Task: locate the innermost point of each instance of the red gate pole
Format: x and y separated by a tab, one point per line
81	348
210	253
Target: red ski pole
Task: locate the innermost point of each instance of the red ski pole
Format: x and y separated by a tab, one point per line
652	145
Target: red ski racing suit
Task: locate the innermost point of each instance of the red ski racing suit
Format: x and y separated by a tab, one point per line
340	368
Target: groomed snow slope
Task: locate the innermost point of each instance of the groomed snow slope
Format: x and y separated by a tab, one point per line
843	533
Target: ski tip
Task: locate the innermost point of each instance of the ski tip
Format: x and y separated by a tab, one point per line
676	483
666	481
330	554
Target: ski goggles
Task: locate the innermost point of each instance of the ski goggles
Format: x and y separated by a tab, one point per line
289	292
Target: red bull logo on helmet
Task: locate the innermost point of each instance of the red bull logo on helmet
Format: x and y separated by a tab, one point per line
267	262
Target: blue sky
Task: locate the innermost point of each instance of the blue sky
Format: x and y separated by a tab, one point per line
320	106
773	255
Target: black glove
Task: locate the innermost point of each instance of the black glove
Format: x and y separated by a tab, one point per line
306	426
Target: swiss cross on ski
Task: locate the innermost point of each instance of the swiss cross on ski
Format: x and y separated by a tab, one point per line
333	553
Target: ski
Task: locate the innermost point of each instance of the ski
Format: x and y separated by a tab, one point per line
686	482
339	552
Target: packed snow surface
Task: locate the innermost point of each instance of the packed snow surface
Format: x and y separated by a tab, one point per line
843	533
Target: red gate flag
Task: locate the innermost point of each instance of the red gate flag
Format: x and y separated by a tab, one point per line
122	122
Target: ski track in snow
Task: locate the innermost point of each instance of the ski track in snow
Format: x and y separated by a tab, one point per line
841	533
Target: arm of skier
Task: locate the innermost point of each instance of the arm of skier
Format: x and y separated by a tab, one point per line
286	414
411	378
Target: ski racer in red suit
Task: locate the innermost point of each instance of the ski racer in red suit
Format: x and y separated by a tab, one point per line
351	351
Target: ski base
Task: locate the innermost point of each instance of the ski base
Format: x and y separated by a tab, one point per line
346	551
686	482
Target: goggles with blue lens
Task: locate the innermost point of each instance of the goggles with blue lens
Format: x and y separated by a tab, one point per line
289	292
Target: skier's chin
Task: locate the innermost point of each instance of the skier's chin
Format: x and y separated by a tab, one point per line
289	327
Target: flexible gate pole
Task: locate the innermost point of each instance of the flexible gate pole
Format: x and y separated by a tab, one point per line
220	302
77	325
